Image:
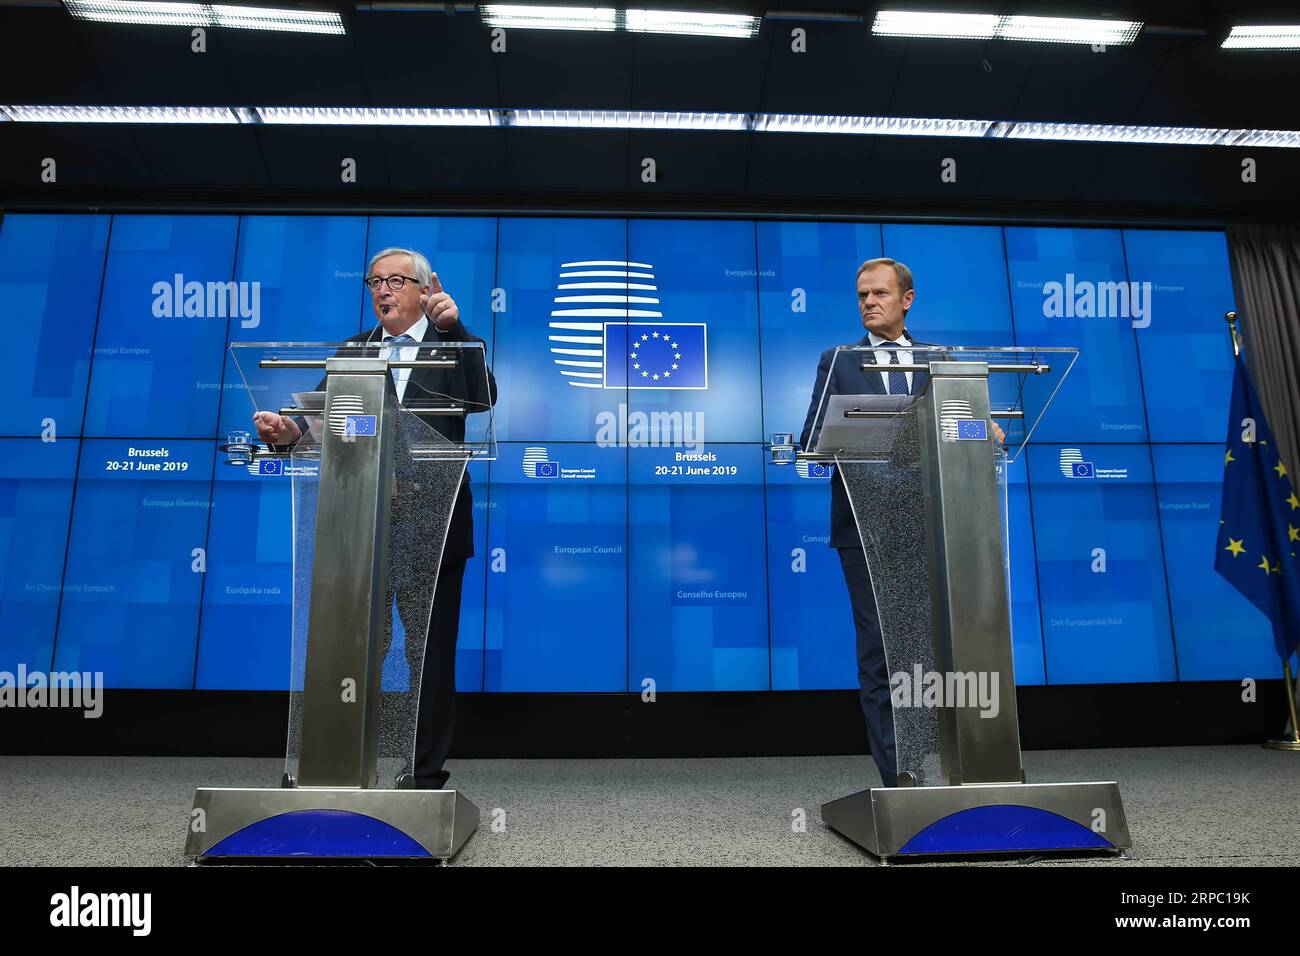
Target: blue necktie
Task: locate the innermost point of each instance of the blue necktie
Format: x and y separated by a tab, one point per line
399	375
897	380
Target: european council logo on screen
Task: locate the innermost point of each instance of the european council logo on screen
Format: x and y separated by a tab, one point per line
538	464
1073	465
607	330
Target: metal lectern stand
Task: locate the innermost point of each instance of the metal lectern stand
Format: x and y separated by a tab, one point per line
927	486
374	489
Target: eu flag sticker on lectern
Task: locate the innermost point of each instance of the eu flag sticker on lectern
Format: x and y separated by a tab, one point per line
359	426
671	355
272	467
812	469
972	429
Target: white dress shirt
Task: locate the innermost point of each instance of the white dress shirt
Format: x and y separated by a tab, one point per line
882	357
406	353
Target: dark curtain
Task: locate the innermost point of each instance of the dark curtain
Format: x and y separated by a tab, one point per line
1266	273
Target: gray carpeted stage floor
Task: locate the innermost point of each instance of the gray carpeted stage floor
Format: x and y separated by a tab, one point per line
1217	806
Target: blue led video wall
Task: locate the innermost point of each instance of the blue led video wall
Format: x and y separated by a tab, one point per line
631	528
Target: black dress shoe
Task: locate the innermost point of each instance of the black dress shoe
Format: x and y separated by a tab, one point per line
408	782
402	779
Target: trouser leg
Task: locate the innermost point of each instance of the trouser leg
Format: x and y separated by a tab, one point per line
873	676
436	712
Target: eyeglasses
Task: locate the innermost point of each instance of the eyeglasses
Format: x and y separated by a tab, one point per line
395	282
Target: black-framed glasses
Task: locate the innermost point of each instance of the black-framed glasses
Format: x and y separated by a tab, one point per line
395	282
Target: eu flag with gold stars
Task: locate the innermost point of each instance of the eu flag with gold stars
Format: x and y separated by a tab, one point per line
1259	526
656	355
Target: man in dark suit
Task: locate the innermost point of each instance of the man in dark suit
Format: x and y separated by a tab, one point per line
412	307
885	294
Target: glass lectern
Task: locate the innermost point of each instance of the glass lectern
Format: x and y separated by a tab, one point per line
375	480
926	478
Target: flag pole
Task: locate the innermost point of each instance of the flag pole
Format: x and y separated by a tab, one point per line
1293	742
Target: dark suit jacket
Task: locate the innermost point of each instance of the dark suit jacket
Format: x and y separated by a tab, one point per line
847	379
460	384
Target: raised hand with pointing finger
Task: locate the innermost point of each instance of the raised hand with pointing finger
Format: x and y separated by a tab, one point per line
439	306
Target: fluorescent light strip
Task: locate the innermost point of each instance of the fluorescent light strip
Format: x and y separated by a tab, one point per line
693	24
264	18
1068	30
125	114
869	125
205	15
1278	138
364	116
907	23
981	26
614	119
1278	37
608	19
520	17
1086	133
131	11
622	119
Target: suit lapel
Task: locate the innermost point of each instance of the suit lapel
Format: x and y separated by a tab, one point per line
871	378
920	379
422	377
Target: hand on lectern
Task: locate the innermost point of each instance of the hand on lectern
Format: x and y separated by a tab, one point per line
998	433
276	429
439	306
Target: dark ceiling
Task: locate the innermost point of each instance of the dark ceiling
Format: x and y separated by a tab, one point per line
1174	75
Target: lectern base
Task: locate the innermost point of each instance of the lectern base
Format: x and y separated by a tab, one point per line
982	818
306	823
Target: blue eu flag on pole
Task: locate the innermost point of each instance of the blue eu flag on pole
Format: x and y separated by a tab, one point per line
1259	527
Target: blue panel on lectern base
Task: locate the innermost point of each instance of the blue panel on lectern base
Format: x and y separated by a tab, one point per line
319	833
1004	828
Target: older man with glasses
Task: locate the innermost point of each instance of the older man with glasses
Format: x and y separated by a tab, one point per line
412	307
